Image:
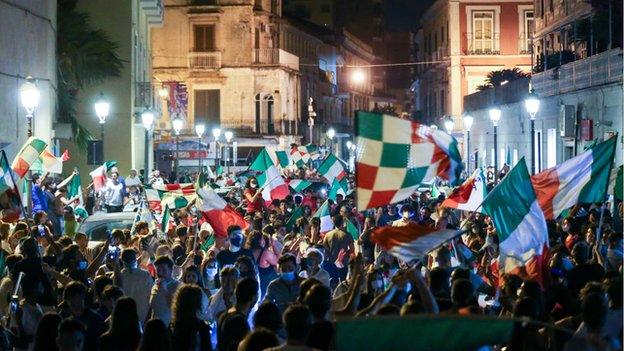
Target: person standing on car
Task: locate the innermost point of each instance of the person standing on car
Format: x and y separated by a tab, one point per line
113	195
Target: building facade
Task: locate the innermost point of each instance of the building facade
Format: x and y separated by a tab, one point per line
28	42
127	23
224	60
459	42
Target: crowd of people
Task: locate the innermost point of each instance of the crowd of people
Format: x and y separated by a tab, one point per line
279	285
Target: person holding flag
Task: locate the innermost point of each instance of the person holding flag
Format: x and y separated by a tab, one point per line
253	196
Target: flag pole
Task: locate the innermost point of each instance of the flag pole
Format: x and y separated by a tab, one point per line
15	187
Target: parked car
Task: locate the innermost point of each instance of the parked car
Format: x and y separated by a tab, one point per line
100	224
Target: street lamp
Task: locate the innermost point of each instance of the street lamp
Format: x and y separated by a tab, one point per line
147	119
311	116
177	123
495	116
331	133
29	95
358	76
351	149
532	104
468	120
216	133
199	130
449	124
102	108
228	138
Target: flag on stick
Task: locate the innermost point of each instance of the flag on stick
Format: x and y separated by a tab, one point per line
396	155
469	195
325	215
270	179
10	200
98	175
218	213
27	155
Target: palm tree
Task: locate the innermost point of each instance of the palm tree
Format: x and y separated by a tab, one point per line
496	78
85	56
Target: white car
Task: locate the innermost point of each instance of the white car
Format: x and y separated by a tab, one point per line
99	225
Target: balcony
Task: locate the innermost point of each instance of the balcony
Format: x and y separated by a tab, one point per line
482	45
524	45
210	60
599	69
275	57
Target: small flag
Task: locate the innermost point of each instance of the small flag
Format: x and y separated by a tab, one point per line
299	185
297	213
352	230
331	169
469	195
207	244
13	209
396	155
412	241
218	213
581	179
270	179
27	155
325	215
98	175
519	223
435	192
338	187
166	220
74	188
47	163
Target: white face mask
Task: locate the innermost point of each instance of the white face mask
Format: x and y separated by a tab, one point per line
211	272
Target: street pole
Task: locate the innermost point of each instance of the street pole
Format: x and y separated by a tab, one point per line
495	153
533	146
177	156
29	178
468	151
102	139
199	154
146	155
217	151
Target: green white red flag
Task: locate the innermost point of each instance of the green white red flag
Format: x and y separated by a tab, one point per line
98	175
395	155
12	207
581	179
171	195
519	222
331	169
338	187
412	241
218	213
469	195
299	185
324	214
48	163
270	179
27	155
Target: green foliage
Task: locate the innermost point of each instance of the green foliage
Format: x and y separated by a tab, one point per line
496	78
85	57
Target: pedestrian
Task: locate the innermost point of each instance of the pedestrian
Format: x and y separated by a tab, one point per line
136	282
47	332
113	194
284	290
338	246
156	337
124	332
232	325
298	320
71	335
253	195
163	290
189	332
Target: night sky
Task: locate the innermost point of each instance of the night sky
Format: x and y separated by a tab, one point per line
403	15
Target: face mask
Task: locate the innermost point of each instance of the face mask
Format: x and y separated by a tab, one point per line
567	264
406	215
235	243
288	276
377	284
253	185
211	272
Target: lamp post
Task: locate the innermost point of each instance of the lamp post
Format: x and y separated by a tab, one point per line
532	104
311	116
147	119
216	133
351	149
331	133
29	96
468	120
102	108
177	124
495	116
228	138
199	130
449	124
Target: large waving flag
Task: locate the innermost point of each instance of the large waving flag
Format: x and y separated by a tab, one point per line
331	169
48	163
98	175
469	195
395	155
170	195
74	188
324	214
519	222
299	185
28	154
582	179
270	179
411	241
218	213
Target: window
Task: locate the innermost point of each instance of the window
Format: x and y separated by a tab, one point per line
207	107
204	38
442	102
483	28
528	29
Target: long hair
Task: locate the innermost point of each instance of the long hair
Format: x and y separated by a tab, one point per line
124	329
156	337
194	269
47	331
186	302
253	240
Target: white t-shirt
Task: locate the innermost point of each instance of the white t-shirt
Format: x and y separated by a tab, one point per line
113	193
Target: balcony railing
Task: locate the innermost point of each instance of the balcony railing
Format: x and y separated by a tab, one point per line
599	69
524	44
273	56
204	60
482	44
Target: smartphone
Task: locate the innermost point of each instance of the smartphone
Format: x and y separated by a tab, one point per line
113	252
41	228
14	304
82	265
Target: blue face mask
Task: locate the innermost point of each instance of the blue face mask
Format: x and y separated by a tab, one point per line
288	276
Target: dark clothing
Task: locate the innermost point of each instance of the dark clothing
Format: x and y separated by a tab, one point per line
194	338
282	293
113	209
108	343
39	200
320	335
231	329
387	219
34	272
95	327
226	257
582	274
368	247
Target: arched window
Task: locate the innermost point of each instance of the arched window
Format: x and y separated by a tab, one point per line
264	106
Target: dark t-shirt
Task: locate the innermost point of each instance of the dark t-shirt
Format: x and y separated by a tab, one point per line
95	327
231	329
226	257
584	273
320	335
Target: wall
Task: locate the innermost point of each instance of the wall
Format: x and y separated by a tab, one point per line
28	47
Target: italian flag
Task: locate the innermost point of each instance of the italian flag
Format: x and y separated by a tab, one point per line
325	215
519	222
98	175
74	188
411	242
582	179
338	187
352	230
282	158
331	169
270	179
48	163
469	195
28	154
13	208
173	195
218	213
297	213
299	185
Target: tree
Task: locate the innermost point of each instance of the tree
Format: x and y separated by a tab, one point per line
85	56
496	78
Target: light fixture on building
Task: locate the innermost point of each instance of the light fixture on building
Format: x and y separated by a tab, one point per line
331	133
228	135
532	105
29	96
200	129
449	124
102	108
177	124
358	76
467	120
495	115
147	119
216	133
163	92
